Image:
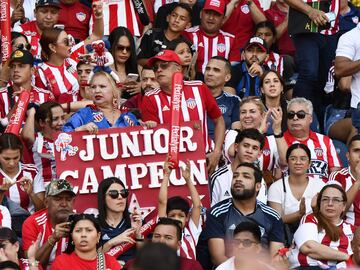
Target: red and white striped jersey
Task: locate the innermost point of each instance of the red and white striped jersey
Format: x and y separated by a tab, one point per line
269	159
275	62
118	13
190	238
308	230
346	180
323	153
16	193
29	29
37	95
197	103
44	159
61	81
208	46
40	223
5	218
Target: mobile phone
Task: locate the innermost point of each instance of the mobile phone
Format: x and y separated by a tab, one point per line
132	77
59	26
331	16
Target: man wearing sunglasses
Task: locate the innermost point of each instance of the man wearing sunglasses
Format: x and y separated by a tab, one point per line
21	72
199	103
324	158
52	223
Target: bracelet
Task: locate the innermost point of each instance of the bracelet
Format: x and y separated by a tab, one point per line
278	136
51	241
34	264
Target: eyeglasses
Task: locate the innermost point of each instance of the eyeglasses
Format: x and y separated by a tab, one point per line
296	159
162	65
300	114
335	200
68	41
245	243
114	194
123	48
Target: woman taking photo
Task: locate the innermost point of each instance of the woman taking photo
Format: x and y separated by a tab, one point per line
21	183
117	225
58	72
124	53
323	238
81	252
292	195
104	113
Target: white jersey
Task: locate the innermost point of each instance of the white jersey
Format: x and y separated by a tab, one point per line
5	218
221	186
118	13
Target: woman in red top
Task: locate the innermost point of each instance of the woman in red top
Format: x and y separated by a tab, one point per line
81	252
58	72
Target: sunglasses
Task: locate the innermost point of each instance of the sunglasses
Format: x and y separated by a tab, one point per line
23	47
114	194
68	41
123	48
162	65
300	114
245	243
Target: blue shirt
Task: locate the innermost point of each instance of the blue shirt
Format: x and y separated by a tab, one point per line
91	114
229	107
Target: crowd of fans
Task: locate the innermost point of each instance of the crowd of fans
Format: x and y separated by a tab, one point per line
276	88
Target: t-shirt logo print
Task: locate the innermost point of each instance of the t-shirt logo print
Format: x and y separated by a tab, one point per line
98	117
81	16
221	47
318	152
215	3
191	103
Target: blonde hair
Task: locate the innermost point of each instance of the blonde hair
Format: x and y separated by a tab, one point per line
116	90
255	100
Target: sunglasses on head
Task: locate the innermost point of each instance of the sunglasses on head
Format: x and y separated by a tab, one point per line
300	114
122	48
114	194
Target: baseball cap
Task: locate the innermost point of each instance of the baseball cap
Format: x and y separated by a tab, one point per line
215	5
43	3
7	234
22	56
165	55
257	41
58	186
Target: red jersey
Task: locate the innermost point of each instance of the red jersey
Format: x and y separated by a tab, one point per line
208	46
197	103
37	95
61	81
240	23
118	13
323	153
16	193
275	62
190	238
30	30
44	157
73	261
75	18
39	223
346	180
285	43
308	230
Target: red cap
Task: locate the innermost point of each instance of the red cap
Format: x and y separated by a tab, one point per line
165	55
215	5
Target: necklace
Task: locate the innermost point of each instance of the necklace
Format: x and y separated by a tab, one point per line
111	223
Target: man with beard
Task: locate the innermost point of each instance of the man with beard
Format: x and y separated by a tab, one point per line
51	222
148	83
245	76
243	206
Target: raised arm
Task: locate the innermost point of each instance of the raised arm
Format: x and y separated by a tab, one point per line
28	131
196	208
163	192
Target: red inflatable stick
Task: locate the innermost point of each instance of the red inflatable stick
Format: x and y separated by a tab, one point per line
122	248
5	30
18	115
177	89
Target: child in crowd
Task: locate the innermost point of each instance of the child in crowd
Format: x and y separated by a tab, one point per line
178	208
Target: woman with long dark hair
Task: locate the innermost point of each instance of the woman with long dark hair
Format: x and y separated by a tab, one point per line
117	224
292	195
124	52
81	252
323	238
